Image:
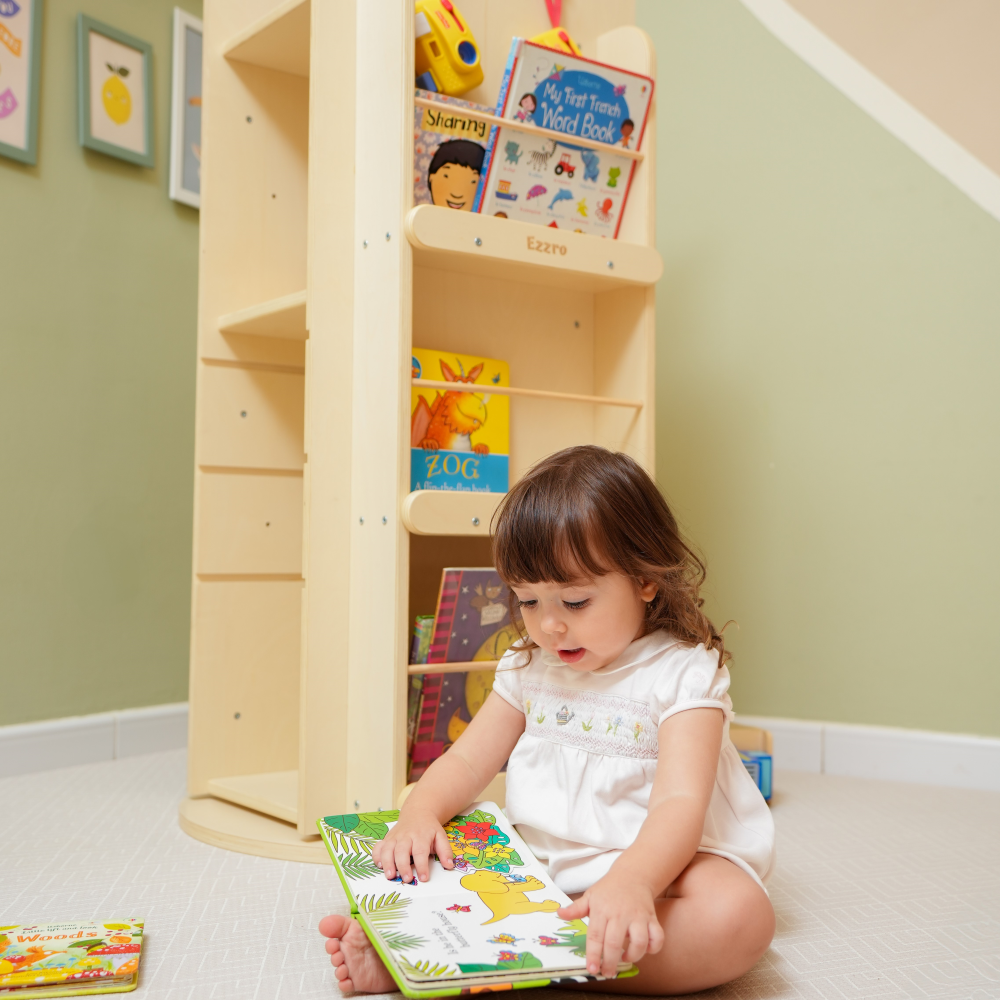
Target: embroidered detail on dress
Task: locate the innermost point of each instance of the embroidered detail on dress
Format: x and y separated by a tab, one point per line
599	723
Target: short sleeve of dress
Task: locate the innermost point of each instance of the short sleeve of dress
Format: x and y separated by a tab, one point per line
507	682
690	677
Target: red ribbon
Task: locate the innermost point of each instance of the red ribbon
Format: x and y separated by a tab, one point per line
554	8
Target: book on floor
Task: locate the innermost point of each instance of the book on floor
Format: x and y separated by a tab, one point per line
488	924
472	623
459	437
556	182
66	959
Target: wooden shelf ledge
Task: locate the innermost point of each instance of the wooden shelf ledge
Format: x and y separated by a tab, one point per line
502	248
278	40
509	390
284	317
448	512
275	793
451	668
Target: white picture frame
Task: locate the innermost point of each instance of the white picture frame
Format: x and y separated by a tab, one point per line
185	110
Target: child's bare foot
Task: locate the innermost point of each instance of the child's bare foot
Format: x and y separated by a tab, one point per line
355	962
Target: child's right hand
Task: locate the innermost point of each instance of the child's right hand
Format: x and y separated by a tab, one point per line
411	841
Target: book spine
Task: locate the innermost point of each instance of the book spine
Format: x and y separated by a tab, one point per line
445	617
491	145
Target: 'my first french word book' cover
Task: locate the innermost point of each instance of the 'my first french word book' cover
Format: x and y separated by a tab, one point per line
554	182
459	437
69	959
472	623
488	924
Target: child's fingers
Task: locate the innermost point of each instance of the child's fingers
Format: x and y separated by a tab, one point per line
421	859
655	937
385	861
638	941
442	847
577	909
614	944
595	944
402	855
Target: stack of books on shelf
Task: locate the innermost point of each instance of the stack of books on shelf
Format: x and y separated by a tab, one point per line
472	624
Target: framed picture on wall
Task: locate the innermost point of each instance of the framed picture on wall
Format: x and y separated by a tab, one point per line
115	92
185	111
20	66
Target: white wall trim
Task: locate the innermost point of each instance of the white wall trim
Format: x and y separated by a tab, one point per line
912	755
891	111
84	739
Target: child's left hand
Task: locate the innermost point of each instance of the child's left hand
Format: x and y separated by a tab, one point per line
622	918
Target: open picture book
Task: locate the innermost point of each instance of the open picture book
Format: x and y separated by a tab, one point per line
490	923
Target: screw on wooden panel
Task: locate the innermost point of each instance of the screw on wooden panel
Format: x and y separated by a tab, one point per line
274	196
267	524
361	520
364	244
249	119
478	242
385	520
243	413
576	323
236	716
611	264
388	236
357	803
475	522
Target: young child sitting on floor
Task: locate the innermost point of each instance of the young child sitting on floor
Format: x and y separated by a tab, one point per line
637	803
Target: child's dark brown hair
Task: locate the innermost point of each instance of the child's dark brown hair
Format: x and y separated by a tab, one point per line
592	511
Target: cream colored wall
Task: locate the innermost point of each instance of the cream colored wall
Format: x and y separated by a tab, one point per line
828	371
943	56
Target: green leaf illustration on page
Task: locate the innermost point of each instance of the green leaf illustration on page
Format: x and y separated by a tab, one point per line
425	970
358	866
509	960
373	825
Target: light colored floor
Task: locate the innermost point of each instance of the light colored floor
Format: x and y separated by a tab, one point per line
882	890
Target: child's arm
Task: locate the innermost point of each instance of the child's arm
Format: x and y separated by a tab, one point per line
449	784
621	905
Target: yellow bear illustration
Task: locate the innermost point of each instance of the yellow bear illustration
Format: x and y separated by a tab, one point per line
506	898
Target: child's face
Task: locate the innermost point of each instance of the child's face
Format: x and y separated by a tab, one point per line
454	186
588	623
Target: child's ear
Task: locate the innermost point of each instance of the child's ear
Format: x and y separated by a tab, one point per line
648	590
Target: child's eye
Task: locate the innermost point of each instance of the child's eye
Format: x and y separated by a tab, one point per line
526	604
576	605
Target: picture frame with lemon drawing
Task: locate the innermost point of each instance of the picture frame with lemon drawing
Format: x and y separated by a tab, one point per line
115	92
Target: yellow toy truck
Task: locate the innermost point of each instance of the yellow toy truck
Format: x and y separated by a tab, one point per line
447	56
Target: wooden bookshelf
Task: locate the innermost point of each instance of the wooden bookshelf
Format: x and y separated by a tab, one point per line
317	277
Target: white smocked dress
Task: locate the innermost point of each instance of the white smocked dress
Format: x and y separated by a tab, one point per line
579	779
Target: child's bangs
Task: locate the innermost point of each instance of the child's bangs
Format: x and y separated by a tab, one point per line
549	539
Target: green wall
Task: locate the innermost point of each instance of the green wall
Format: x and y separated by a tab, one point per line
98	291
828	374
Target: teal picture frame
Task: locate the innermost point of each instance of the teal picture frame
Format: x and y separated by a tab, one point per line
84	27
28	153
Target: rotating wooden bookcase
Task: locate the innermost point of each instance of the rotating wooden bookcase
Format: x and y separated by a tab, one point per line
317	275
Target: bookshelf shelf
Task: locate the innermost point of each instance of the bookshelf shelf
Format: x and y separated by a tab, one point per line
509	390
274	793
279	40
311	552
519	251
442	512
451	668
283	317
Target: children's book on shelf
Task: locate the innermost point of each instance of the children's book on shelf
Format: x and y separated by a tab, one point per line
70	959
448	152
488	924
472	623
459	438
556	182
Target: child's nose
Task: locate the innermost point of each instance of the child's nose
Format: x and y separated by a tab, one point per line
552	623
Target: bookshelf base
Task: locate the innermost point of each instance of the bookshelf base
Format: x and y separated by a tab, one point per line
234	828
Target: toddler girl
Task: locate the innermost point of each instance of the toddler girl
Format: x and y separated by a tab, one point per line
614	713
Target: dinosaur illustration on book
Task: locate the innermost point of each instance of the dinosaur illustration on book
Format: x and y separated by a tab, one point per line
453	418
504	897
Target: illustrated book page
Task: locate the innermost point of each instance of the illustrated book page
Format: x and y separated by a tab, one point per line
490	920
66	959
554	182
459	437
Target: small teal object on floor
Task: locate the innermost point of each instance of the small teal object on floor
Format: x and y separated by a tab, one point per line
759	766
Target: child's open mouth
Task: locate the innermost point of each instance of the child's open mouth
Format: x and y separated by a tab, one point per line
571	655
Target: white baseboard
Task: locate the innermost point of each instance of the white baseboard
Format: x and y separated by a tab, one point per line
912	755
84	739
